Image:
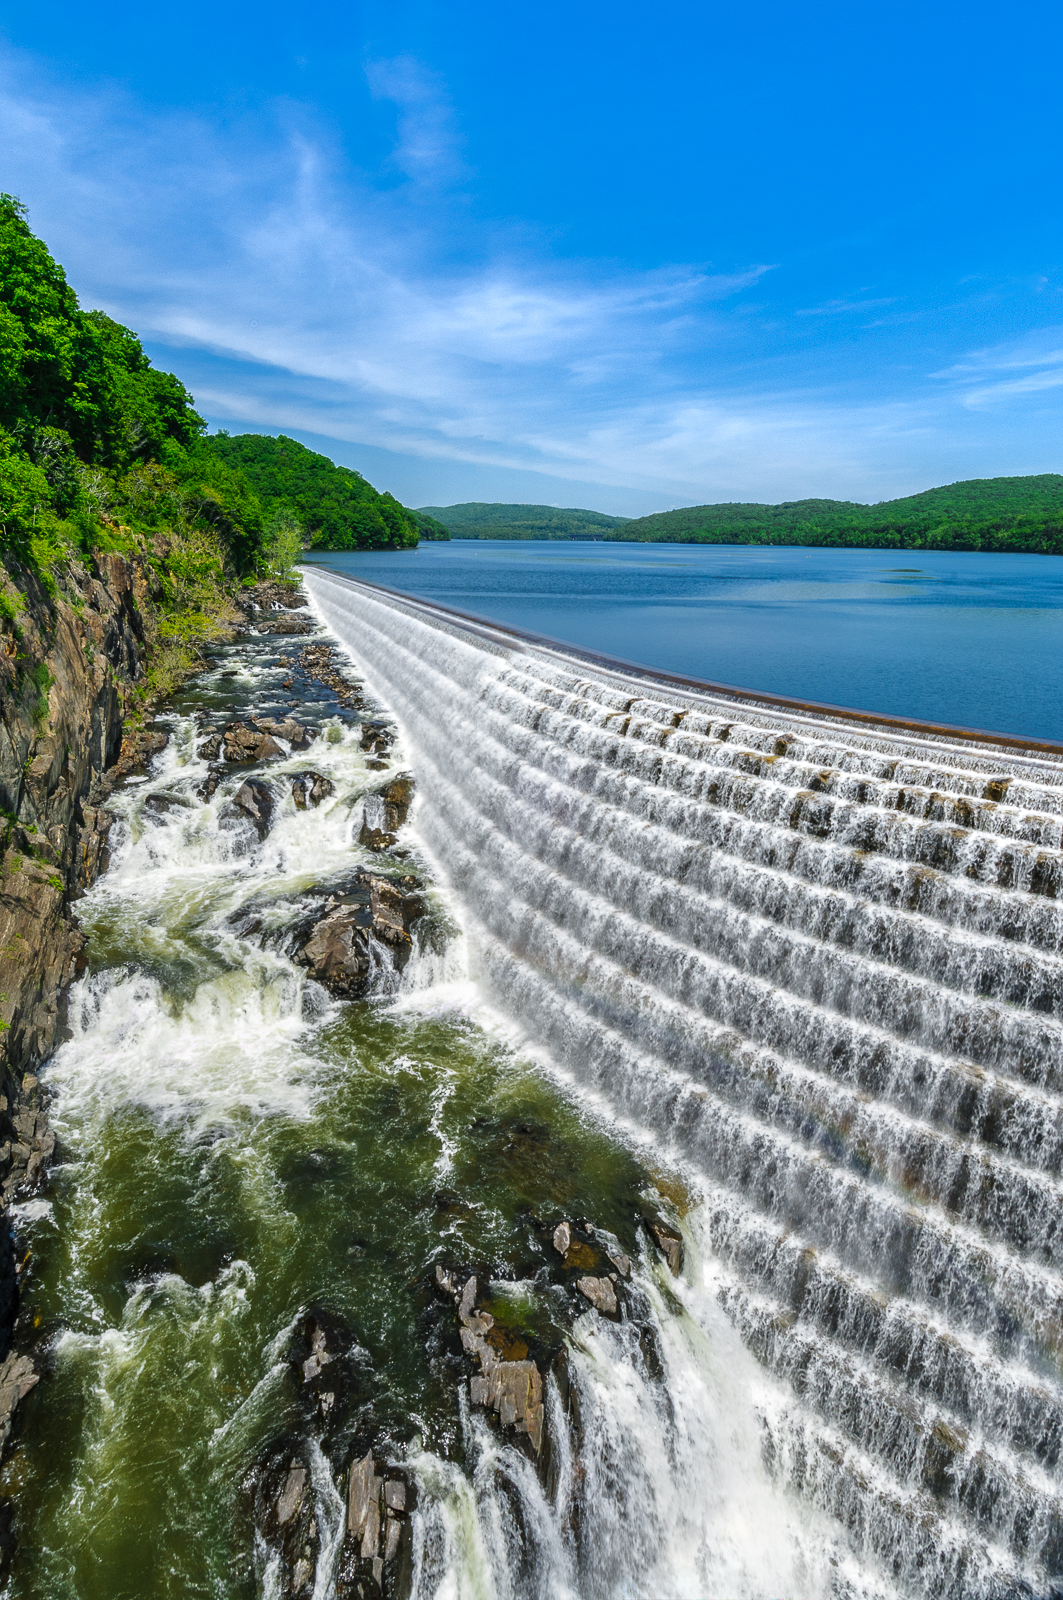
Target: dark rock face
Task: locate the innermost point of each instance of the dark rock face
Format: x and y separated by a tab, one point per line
310	788
254	800
67	679
384	811
339	949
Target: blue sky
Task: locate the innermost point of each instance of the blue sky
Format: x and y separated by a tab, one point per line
621	256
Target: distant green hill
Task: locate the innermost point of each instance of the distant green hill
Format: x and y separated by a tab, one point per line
478	519
336	507
1018	514
428	527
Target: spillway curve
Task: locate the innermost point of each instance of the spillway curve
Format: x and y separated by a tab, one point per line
821	957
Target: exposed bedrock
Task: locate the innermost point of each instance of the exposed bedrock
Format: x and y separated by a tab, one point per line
368	919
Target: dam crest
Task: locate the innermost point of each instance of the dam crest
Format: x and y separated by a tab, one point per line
819	958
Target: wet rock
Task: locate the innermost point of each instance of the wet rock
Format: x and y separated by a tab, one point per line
93	854
378	1545
377	736
255	801
601	1294
280	1488
339	950
139	745
290	730
671	1246
209	787
620	1261
562	1238
162	804
282	622
513	1389
321	662
245	743
291	1496
17	1377
384	810
210	749
310	788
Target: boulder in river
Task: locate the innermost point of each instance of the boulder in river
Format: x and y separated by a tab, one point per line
339	950
255	801
289	729
601	1294
384	810
310	788
245	743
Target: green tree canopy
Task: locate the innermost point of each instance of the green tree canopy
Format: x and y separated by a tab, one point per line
337	507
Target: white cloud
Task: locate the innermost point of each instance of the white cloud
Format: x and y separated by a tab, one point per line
294	295
428	144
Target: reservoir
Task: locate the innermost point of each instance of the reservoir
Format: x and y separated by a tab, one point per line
942	636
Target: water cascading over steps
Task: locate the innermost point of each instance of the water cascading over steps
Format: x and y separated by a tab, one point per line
822	959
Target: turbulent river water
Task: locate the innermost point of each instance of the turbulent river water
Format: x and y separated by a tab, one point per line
790	985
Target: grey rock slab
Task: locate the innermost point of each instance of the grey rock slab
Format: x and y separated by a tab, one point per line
291	1496
600	1292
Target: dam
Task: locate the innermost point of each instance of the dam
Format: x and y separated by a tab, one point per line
816	957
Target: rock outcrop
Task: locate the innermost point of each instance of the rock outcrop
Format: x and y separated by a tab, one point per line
384	811
310	788
513	1388
369	1552
72	676
338	948
321	662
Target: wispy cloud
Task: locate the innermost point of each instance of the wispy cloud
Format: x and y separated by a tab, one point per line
292	294
838	308
429	144
985	377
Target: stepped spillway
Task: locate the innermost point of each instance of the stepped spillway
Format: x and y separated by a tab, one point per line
821	958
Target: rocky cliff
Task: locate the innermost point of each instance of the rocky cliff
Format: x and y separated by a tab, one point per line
71	676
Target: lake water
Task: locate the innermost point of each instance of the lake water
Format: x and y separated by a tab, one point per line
970	639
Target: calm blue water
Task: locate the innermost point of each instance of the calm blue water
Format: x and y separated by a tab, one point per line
969	639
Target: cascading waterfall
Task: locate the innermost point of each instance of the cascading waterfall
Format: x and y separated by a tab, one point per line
820	960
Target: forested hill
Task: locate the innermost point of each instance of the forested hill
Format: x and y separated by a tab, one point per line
1018	514
478	519
101	451
335	506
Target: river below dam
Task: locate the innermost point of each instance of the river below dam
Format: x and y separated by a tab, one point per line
239	1149
673	1212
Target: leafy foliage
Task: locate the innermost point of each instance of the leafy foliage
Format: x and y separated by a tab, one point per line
478	519
1016	514
428	527
100	450
337	507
